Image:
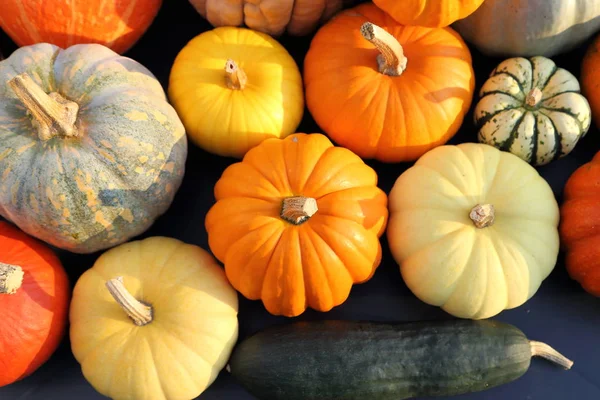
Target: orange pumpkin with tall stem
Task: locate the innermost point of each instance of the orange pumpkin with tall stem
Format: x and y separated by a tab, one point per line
384	90
34	302
297	222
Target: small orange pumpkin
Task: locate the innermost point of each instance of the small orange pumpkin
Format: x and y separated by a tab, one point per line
580	225
590	78
433	13
393	106
297	222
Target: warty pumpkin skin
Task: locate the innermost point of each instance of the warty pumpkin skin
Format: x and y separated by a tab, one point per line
153	319
117	25
233	88
297	222
431	13
391	108
474	229
91	152
274	17
580	225
528	28
590	78
34	302
532	108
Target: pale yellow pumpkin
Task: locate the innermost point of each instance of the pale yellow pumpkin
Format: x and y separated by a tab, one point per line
233	88
474	229
154	319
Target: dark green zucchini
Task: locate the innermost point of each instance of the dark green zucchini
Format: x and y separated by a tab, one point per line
346	360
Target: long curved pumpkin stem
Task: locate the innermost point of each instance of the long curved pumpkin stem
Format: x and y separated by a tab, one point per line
140	313
391	60
53	115
11	278
543	350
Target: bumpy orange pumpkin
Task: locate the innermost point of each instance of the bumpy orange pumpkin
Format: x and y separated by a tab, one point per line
393	106
297	222
433	13
580	225
590	78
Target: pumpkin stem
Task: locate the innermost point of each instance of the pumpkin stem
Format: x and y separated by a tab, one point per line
53	115
140	313
391	60
533	97
483	215
543	350
235	77
298	209
11	278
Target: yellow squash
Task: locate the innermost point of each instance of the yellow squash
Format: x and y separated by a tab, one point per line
154	319
234	87
474	229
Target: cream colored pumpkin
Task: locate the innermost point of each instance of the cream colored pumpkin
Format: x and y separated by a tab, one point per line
533	109
530	27
154	319
474	229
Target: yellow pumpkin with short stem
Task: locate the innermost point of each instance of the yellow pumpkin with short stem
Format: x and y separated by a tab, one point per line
235	87
474	229
153	319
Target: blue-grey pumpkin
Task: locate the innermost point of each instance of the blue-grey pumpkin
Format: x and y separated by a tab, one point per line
91	152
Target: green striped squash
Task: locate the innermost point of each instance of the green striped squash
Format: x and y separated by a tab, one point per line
533	109
91	152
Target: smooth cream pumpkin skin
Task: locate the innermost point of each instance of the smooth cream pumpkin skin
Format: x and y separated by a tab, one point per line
91	151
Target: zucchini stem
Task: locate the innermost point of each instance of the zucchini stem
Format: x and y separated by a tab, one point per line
543	350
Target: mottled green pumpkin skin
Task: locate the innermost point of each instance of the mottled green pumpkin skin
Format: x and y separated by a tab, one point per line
107	185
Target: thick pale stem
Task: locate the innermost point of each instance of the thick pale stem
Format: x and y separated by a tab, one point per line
235	77
391	60
298	209
53	115
140	313
543	350
533	97
11	278
483	215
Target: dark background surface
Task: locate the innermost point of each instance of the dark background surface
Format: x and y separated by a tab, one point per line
560	314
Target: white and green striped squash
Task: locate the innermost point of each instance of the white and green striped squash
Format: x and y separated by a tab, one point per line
91	152
533	109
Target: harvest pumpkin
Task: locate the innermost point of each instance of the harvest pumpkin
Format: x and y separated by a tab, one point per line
153	319
233	88
274	17
297	222
432	13
384	90
533	109
91	151
580	225
34	301
474	229
117	25
542	28
590	78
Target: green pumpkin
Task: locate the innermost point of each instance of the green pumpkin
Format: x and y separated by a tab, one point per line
91	152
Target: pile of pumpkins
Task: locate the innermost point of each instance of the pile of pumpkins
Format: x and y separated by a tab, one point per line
93	151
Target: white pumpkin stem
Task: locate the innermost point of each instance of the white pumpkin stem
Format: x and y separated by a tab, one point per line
391	60
298	209
235	77
483	215
140	313
53	115
533	97
543	350
11	278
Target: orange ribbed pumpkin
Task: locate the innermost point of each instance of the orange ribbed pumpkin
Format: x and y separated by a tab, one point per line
433	13
384	90
34	302
297	222
590	78
115	24
580	225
